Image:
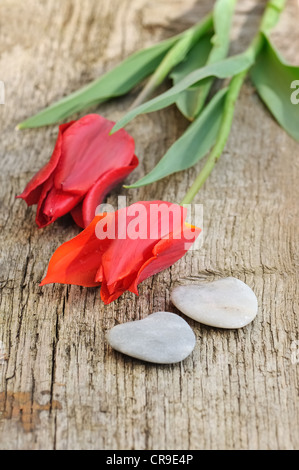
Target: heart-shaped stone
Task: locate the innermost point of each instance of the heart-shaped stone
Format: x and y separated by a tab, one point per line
225	303
162	337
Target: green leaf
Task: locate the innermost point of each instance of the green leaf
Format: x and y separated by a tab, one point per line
210	49
222	17
189	101
193	145
273	77
116	82
174	56
223	69
272	15
196	58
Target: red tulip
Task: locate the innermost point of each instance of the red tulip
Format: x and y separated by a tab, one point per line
118	250
86	164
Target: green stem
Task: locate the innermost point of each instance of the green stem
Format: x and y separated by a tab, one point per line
232	95
271	16
176	55
219	50
269	20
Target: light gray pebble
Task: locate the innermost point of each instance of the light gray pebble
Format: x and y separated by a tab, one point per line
162	338
225	303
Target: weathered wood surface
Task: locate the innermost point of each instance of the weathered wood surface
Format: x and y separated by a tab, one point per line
62	387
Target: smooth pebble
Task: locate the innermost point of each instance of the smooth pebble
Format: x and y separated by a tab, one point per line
162	337
225	303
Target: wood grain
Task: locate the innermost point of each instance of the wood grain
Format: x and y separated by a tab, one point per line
239	389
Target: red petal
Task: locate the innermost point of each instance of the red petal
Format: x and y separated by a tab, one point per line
130	253
88	152
53	204
108	297
166	253
112	292
34	188
118	262
77	215
78	260
85	212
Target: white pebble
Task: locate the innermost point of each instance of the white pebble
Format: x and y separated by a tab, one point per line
162	337
225	303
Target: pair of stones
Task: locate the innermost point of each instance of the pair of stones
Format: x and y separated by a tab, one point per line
165	338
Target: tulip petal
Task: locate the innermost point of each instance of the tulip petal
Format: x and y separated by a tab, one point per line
53	204
107	252
88	152
77	215
109	294
154	222
86	162
78	260
34	188
85	212
165	253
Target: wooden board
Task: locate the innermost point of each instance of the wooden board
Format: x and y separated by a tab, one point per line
62	387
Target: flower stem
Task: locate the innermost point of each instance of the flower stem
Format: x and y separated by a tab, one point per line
272	14
269	20
222	137
176	55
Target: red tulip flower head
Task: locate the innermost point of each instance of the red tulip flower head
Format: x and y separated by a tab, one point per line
86	164
118	250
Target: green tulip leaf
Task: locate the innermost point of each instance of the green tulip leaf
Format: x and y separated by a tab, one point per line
176	55
196	58
223	69
273	79
189	101
209	49
222	19
114	83
193	145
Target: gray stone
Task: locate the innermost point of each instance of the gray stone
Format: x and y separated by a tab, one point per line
162	337
225	303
